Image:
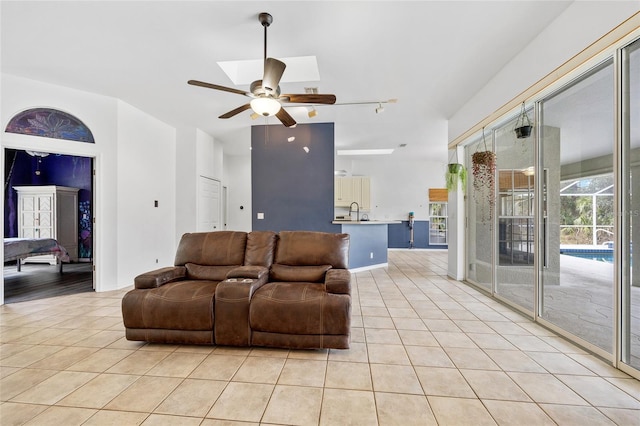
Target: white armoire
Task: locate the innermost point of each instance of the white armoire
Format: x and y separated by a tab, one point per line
49	212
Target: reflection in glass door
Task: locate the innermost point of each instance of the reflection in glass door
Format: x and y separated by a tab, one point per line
631	204
577	146
515	275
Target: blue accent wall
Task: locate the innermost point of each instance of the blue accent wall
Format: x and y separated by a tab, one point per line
399	235
291	187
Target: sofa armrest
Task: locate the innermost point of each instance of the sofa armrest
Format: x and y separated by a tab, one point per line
338	281
231	309
253	272
159	277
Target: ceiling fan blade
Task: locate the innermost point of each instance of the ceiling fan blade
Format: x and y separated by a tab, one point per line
273	70
217	87
285	118
309	99
236	111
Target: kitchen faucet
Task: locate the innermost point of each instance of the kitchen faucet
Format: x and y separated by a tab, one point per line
357	210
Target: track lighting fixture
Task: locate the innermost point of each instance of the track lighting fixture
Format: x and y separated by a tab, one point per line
379	109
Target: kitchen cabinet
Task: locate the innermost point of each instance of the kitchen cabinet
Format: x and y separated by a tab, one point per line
353	188
49	212
343	192
364	185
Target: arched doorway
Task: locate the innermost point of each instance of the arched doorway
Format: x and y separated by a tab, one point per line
38	216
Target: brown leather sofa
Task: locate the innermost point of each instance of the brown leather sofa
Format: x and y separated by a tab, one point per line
289	290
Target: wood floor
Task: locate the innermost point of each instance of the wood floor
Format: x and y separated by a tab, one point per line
41	281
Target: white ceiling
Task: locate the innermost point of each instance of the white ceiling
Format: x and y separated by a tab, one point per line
431	55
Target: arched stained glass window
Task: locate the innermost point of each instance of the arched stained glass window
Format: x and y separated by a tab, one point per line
50	123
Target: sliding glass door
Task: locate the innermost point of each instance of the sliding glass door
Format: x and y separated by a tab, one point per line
479	222
630	133
515	274
552	230
577	140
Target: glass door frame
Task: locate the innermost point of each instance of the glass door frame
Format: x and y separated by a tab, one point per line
623	203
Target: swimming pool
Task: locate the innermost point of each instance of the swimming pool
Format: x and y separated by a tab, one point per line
601	255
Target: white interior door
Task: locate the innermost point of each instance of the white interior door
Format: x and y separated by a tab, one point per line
208	205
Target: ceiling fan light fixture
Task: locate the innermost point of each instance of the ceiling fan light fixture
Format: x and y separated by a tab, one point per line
529	171
265	106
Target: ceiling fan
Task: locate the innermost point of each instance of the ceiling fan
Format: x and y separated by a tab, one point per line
267	99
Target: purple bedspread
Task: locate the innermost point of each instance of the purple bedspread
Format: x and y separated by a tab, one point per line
19	248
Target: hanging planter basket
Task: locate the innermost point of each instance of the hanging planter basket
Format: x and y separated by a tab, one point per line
523	125
484	172
484	167
455	173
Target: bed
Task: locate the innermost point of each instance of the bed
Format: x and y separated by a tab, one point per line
22	248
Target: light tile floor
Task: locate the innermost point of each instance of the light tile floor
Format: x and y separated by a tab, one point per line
425	350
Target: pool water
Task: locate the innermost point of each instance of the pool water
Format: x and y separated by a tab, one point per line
606	257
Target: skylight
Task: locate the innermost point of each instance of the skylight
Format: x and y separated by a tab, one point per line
365	151
299	68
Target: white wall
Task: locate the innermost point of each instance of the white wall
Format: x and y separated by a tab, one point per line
99	113
186	181
400	187
209	158
237	173
146	173
197	154
134	159
581	24
400	184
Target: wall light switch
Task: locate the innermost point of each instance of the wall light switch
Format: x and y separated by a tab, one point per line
260	215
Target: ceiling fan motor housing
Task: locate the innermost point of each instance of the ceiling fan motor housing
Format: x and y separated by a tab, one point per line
258	90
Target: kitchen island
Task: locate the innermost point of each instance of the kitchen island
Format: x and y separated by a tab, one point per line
368	242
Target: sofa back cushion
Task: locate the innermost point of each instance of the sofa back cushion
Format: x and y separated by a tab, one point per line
260	248
311	274
221	248
310	248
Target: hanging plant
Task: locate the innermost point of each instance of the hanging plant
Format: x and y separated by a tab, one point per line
455	173
523	125
484	171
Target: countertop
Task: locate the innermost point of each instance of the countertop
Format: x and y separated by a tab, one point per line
365	222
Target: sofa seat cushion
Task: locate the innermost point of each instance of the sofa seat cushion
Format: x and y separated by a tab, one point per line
299	308
181	305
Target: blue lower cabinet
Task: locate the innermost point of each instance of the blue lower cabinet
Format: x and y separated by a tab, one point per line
368	245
